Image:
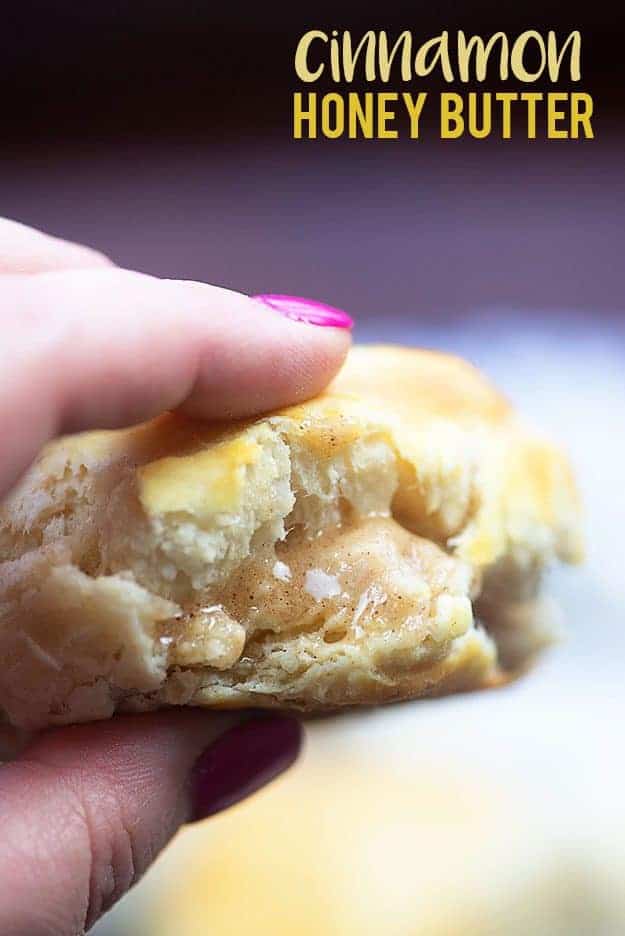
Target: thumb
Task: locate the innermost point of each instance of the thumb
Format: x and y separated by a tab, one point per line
84	810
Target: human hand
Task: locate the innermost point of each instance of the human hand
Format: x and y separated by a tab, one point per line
85	809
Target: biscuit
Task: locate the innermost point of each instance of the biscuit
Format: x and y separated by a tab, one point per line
383	541
434	847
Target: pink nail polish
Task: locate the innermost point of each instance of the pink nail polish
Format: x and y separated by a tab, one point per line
244	759
306	310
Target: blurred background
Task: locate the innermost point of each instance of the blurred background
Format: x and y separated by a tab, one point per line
160	133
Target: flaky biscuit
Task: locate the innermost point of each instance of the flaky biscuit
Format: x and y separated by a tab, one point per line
382	541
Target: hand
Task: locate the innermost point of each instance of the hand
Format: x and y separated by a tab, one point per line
85	809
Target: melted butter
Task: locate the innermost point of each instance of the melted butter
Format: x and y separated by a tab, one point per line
207	636
364	578
368	576
206	482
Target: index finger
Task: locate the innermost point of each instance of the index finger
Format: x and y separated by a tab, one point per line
106	347
26	250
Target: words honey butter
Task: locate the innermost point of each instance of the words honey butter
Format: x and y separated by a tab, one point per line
337	58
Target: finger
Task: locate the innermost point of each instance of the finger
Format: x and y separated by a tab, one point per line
107	348
26	250
85	809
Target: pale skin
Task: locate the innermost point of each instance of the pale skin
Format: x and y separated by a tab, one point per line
85	809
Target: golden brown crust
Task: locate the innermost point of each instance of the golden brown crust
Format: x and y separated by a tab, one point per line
324	555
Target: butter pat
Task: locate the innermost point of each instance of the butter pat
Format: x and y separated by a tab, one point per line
201	484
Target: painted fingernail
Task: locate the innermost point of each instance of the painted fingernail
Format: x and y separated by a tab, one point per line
242	761
306	310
